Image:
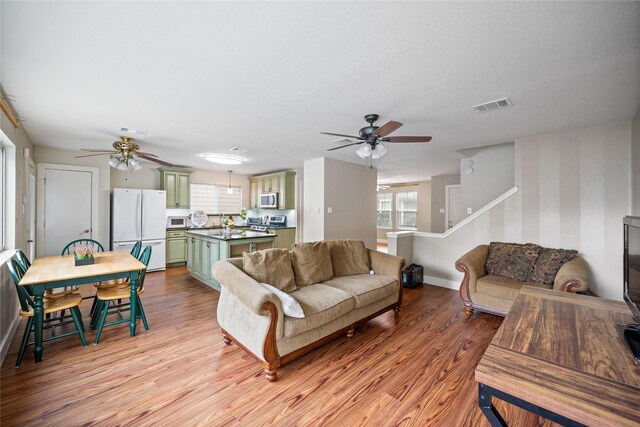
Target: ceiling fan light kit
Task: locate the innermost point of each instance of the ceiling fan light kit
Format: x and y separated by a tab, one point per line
372	138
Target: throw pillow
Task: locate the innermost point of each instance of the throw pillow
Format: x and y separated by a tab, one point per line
512	260
290	306
311	263
348	257
549	263
270	266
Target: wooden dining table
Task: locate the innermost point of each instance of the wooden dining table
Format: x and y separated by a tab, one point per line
60	271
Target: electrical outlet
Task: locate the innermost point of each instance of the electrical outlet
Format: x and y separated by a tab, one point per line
469	211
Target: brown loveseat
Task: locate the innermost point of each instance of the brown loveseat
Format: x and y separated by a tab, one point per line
332	283
494	274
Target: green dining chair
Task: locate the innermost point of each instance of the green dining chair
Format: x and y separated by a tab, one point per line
108	295
22	259
51	305
68	249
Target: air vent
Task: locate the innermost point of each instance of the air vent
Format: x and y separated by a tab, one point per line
493	105
133	131
342	141
238	150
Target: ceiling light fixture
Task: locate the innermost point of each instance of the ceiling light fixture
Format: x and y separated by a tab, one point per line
375	153
223	159
229	189
125	162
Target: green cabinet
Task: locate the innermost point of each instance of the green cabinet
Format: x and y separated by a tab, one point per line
176	252
176	183
203	252
283	183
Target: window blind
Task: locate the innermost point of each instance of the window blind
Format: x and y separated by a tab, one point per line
214	200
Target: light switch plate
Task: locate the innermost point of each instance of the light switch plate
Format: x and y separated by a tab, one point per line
441	210
469	211
329	210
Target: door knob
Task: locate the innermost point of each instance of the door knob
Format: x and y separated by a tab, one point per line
29	241
86	230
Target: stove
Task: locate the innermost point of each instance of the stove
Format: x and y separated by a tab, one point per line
259	228
277	221
254	221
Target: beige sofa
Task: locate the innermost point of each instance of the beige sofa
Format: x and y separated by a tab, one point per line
494	274
252	316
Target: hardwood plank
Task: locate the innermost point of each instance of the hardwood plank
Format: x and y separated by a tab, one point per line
414	369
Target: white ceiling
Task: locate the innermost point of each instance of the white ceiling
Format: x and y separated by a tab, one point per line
270	76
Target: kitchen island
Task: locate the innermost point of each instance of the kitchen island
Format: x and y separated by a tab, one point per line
206	247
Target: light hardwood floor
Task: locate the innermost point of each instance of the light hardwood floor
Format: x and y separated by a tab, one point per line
415	370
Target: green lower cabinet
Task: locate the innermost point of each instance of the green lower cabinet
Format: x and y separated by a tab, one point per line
204	252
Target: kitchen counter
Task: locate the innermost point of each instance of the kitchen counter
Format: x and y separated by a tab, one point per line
235	235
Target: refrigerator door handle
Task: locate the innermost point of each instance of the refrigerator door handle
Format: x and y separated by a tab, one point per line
153	242
139	215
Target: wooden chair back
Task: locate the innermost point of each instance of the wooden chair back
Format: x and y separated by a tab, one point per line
144	258
97	246
16	272
135	251
23	260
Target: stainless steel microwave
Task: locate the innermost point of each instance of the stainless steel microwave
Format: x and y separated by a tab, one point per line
269	201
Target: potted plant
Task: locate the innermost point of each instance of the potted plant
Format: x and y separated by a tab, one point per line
227	224
83	254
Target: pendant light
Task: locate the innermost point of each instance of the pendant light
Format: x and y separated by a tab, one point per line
229	189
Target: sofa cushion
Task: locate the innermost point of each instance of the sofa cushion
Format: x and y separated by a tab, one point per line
365	288
311	263
548	264
348	257
512	260
502	287
272	266
321	304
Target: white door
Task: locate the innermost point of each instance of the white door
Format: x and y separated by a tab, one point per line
453	208
127	205
69	208
154	216
30	209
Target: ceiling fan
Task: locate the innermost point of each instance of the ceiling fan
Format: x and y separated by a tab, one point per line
124	151
374	138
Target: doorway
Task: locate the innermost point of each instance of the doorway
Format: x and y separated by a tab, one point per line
67	207
452	205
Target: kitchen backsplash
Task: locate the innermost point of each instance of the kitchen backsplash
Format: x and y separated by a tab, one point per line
214	220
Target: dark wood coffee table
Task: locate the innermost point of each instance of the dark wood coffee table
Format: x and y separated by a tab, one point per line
559	355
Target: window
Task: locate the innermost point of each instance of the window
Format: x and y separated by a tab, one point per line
384	210
407	210
214	200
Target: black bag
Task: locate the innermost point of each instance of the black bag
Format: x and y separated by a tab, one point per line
412	276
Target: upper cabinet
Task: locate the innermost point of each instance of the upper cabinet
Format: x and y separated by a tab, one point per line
176	183
283	183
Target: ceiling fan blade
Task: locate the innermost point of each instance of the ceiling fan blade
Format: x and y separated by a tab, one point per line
408	139
346	145
146	154
97	154
161	162
387	128
340	134
96	151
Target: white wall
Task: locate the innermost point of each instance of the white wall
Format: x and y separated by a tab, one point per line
574	191
148	177
492	175
438	183
349	190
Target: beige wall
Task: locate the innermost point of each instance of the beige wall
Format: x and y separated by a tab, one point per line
424	207
438	183
635	166
148	178
492	175
349	190
574	191
67	157
8	299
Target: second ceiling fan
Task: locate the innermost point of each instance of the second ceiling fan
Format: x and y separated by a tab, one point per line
374	138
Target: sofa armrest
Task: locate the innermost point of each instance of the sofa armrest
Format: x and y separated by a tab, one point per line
573	276
244	287
390	266
472	265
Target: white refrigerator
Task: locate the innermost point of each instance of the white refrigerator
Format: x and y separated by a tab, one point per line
140	215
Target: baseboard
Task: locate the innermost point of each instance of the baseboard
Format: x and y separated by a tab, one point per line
4	347
443	283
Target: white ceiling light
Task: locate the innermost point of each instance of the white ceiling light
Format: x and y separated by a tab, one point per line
364	151
379	151
223	159
123	164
